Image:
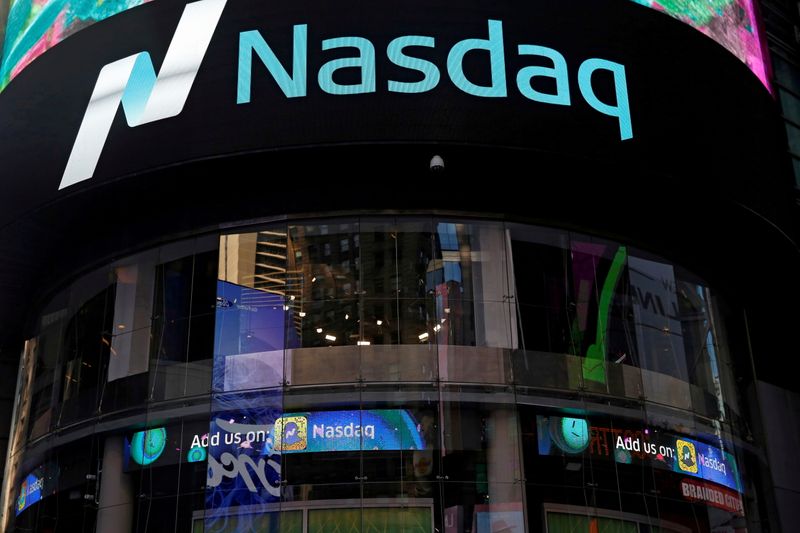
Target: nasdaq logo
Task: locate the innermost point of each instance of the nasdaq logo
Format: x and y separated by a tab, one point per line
145	96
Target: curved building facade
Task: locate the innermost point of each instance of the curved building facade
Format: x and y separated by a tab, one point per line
409	267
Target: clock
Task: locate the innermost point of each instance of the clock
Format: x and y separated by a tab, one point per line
571	435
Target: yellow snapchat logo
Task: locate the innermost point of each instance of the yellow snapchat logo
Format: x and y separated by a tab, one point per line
291	434
687	456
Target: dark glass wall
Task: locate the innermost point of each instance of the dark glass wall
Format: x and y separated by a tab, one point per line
385	373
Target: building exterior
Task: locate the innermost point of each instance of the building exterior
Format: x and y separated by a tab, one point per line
491	267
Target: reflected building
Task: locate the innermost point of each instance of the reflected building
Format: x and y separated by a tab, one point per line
305	411
275	313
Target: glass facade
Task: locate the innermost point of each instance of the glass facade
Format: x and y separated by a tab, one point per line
376	373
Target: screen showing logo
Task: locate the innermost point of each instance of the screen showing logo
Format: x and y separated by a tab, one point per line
687	456
291	433
23	494
37	485
145	96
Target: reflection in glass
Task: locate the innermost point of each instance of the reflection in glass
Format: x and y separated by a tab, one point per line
389	373
182	334
86	348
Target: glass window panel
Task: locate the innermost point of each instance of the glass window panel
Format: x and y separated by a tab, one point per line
480	439
380	323
182	333
793	136
156	515
790	105
46	378
398	362
133	311
249	321
483	507
126	377
417	320
334	520
548	370
400	458
599	330
86	346
130	390
172	307
397	258
470	261
75	461
335	364
168	355
320	266
786	73
329	465
251	329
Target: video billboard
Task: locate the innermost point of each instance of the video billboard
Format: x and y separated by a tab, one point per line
630	445
34	26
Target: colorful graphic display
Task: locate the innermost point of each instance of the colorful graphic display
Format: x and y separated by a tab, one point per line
147	446
732	23
243	467
165	445
564	436
34	26
337	431
37	485
248	435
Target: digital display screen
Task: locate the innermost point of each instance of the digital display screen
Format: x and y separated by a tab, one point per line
732	23
336	431
34	26
572	436
35	486
243	467
247	436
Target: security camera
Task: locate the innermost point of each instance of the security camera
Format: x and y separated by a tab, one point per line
437	163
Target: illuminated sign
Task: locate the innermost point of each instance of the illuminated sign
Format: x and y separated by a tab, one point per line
147	97
660	449
713	495
30	492
336	431
196	454
36	485
247	439
34	27
687	456
147	446
732	23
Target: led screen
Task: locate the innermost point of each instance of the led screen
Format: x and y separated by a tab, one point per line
732	23
627	445
34	26
36	486
336	431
